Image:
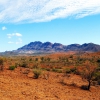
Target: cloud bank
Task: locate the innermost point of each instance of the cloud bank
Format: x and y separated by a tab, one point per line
30	11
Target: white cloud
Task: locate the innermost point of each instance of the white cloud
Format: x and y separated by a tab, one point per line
14	34
4	28
18	34
29	11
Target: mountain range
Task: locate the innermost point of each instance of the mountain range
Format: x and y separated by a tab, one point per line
48	47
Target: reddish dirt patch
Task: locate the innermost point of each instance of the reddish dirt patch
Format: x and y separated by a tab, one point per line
16	85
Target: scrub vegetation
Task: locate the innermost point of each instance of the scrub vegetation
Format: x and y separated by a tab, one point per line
86	66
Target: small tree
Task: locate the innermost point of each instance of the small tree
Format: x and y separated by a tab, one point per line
88	73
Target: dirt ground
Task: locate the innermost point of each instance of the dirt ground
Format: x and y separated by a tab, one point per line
17	85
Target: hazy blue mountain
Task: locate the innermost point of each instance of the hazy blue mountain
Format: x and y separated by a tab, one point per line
38	47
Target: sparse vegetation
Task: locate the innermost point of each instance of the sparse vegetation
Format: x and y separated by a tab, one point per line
37	73
61	63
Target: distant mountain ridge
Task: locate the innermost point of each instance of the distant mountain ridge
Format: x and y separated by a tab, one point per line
38	48
48	47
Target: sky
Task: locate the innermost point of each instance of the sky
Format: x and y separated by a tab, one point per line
56	21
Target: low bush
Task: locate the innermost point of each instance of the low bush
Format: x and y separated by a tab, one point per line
12	67
24	64
37	73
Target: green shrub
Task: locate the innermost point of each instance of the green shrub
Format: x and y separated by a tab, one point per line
37	73
12	67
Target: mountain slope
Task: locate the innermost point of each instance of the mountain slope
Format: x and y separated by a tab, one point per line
48	47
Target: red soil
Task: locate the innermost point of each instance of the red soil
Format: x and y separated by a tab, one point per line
16	85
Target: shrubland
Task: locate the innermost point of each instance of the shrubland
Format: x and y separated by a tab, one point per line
86	65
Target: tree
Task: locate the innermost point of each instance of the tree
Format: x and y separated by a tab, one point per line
88	73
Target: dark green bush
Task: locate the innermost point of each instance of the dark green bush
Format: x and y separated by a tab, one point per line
12	67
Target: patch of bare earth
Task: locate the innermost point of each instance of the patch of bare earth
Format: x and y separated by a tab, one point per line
17	85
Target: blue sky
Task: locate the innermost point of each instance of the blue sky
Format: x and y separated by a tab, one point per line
62	21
